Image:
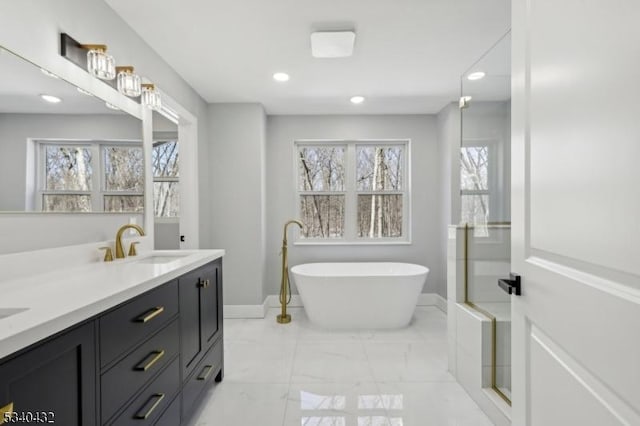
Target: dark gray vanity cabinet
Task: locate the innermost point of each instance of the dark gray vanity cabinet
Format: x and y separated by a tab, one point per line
145	362
55	381
201	331
200	313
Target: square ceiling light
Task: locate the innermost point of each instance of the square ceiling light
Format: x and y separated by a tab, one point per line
332	44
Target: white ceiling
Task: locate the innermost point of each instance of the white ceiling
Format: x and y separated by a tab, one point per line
408	58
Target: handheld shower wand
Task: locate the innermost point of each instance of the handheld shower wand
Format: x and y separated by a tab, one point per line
285	288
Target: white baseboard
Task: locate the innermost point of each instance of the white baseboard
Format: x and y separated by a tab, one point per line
273	301
433	299
244	311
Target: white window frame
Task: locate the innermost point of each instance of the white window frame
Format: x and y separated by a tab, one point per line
351	193
98	185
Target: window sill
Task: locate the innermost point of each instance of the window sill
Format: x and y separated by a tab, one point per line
352	243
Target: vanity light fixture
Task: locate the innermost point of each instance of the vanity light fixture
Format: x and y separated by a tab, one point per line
476	75
99	62
128	82
357	99
151	97
51	99
281	77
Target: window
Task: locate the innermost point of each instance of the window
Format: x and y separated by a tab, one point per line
91	176
474	185
166	195
353	191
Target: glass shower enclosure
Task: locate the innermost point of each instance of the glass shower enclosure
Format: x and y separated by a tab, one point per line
485	229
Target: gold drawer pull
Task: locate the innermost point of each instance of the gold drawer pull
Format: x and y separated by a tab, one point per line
204	283
158	399
156	357
151	314
205	372
5	412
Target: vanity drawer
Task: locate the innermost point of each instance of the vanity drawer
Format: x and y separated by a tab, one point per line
130	374
203	375
131	323
147	407
171	417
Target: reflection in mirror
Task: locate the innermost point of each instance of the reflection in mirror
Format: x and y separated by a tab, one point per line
62	149
165	163
485	153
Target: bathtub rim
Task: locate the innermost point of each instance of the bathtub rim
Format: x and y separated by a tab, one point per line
418	270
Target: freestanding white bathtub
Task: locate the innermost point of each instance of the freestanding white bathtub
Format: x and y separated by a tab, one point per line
359	295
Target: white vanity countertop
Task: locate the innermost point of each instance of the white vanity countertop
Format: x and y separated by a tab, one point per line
59	299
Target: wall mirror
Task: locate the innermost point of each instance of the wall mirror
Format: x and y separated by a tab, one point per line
485	153
62	149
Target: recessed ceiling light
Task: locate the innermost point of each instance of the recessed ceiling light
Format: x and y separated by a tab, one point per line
48	73
112	106
476	75
332	44
84	92
357	99
281	76
51	99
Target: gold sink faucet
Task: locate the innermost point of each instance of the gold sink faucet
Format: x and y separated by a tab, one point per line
119	249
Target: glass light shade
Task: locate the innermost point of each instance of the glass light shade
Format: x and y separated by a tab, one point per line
129	84
101	65
151	98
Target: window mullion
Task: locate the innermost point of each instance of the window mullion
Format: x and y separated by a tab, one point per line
351	201
97	180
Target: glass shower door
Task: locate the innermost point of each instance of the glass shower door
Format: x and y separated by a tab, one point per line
485	177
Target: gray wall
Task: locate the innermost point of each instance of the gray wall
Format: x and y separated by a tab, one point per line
426	233
236	166
31	28
449	152
15	129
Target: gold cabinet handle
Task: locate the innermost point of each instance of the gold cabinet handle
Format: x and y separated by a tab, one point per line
206	371
151	314
152	403
203	283
145	365
5	412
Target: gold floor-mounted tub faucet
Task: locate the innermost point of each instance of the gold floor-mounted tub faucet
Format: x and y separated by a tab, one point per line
285	288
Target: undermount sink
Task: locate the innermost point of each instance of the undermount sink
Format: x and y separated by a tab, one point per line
155	260
7	312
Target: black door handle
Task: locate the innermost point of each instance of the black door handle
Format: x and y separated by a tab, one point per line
512	285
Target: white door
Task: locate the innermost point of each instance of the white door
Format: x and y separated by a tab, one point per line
576	212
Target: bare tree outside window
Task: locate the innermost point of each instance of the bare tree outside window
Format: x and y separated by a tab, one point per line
123	178
379	174
92	176
352	190
474	185
166	194
321	182
68	169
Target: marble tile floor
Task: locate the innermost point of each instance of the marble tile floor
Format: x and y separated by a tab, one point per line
300	375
